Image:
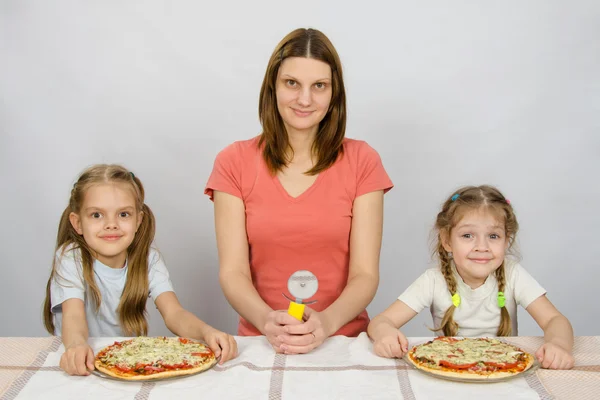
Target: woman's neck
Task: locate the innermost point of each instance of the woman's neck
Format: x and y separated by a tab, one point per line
301	144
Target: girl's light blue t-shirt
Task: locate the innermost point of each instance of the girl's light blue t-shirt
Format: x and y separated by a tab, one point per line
68	283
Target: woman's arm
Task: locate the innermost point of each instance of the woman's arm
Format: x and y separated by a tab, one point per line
556	351
78	358
363	275
185	324
234	269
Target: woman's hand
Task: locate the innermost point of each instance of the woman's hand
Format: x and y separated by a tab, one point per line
275	326
303	337
78	359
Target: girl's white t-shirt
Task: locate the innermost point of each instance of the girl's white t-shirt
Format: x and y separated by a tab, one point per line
68	283
478	313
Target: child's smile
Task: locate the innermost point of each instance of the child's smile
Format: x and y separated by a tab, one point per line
108	221
478	244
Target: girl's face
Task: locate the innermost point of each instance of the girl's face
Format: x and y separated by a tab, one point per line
108	220
303	90
478	244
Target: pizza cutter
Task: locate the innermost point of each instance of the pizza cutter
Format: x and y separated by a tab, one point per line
302	285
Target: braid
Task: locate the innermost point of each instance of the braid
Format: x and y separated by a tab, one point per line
505	328
448	326
463	200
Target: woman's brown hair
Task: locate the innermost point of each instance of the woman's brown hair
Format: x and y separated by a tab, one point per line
307	43
455	207
132	306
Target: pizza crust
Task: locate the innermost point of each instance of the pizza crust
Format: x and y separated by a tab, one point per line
115	373
470	376
110	370
465	375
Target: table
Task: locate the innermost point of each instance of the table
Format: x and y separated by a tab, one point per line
342	368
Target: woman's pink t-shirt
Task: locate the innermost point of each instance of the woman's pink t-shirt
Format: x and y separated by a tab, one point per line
308	232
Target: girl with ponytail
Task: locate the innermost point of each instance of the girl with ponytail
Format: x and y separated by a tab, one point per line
105	269
476	289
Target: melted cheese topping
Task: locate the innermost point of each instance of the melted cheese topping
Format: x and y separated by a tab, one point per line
468	351
155	351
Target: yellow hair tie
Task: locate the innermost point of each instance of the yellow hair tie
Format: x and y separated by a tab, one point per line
456	299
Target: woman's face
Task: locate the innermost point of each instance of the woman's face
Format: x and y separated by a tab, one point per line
303	90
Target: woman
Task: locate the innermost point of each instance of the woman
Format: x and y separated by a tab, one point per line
300	197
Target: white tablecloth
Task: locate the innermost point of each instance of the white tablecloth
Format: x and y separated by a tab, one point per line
342	368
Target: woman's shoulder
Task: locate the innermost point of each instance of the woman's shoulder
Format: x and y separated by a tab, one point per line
359	153
241	149
357	147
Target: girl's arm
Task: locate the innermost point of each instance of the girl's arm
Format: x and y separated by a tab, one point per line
363	278
388	341
234	270
388	322
185	324
558	335
78	358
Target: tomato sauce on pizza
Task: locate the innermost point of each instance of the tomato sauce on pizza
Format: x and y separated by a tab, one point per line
146	358
470	358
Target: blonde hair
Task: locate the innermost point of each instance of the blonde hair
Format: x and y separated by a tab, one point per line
307	43
455	207
132	306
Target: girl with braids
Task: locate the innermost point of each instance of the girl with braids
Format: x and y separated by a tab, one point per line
476	289
104	270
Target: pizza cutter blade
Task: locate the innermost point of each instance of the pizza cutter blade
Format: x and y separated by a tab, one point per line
302	285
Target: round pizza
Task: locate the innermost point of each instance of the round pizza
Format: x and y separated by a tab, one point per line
470	358
147	358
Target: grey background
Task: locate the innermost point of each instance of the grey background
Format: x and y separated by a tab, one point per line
449	93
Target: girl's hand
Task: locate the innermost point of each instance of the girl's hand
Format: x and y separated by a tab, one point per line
78	359
391	346
221	343
554	357
303	337
275	327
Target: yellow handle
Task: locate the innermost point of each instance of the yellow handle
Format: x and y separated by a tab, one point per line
296	310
